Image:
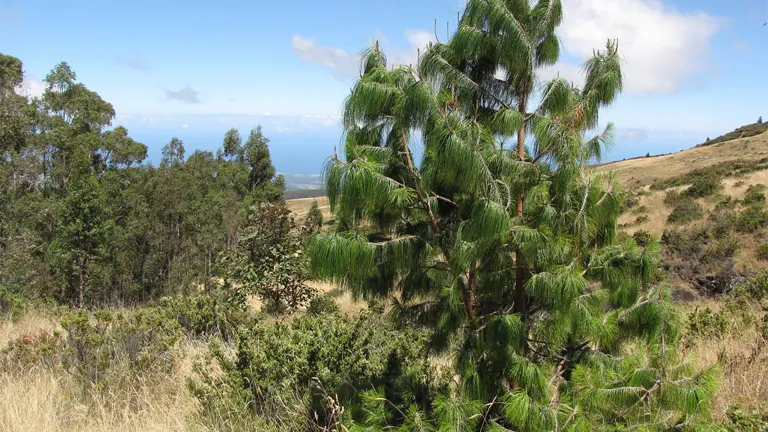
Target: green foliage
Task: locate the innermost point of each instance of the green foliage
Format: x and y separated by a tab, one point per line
755	195
285	372
505	256
323	304
751	220
103	350
314	220
269	261
704	323
672	198
86	221
762	251
217	313
708	175
39	349
746	421
686	211
703	186
643	238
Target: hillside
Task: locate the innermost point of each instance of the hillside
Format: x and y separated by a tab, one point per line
707	206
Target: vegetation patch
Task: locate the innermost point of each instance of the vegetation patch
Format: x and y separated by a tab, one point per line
687	210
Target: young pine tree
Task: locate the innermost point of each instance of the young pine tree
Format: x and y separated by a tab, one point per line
314	220
507	254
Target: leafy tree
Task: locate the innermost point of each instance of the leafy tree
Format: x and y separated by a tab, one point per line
760	120
507	255
256	155
173	153
233	144
268	261
84	227
314	220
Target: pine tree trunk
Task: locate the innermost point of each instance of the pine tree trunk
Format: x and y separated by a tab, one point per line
520	271
81	288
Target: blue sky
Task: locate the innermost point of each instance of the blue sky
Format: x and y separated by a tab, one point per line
193	69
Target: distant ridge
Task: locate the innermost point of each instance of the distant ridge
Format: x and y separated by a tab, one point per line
746	131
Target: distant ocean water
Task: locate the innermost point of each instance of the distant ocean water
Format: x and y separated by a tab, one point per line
307	153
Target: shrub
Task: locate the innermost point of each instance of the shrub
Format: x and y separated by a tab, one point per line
721	250
742	421
755	195
641	219
704	323
642	238
739	183
204	315
285	372
672	197
751	220
754	288
703	186
723	222
43	348
108	350
640	210
324	304
686	211
762	251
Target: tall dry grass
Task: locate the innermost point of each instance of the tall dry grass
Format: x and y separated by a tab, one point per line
49	399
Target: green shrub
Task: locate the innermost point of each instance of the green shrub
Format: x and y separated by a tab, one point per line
723	222
686	211
641	219
754	288
672	198
11	303
762	251
739	183
703	186
642	237
109	350
751	220
43	348
741	421
324	304
704	323
285	372
205	315
722	249
755	195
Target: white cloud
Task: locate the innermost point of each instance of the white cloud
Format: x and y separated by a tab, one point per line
336	59
346	64
185	126
660	45
31	87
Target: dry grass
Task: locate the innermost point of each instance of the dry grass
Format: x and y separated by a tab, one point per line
300	206
48	399
743	355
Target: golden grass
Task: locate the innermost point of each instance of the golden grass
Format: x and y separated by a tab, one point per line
744	357
300	207
44	399
644	171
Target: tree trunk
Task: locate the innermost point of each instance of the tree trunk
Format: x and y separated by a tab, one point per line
520	271
81	287
470	299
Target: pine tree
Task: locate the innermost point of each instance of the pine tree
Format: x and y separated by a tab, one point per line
314	220
508	255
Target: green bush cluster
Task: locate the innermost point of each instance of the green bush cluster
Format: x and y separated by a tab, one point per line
704	186
755	195
706	176
742	421
751	220
704	323
686	211
762	251
108	350
285	372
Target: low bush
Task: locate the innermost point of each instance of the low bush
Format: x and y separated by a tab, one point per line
686	211
704	323
214	314
762	251
641	219
285	373
642	238
672	198
755	195
720	250
323	304
703	186
108	350
742	421
751	220
43	348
